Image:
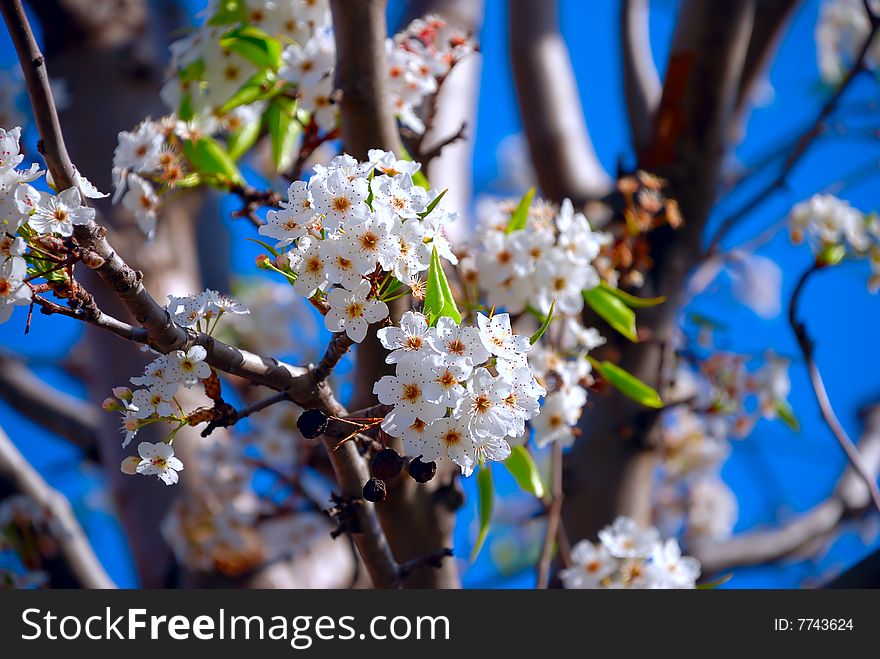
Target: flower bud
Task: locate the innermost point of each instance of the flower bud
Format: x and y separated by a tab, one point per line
111	405
122	393
262	262
129	465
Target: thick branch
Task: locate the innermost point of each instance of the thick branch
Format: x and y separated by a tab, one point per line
362	75
552	116
75	548
640	79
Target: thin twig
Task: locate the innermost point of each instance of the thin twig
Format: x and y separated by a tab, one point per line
804	141
825	407
554	511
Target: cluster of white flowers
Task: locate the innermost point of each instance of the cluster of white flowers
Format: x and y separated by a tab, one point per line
551	258
548	262
842	29
154	398
829	223
419	58
447	402
353	227
726	395
627	556
24	211
220	72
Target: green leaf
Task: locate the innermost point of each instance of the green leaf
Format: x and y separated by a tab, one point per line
192	71
208	157
632	300
519	219
255	45
715	583
185	111
786	415
613	310
266	246
255	88
433	204
419	177
243	139
522	467
283	130
438	296
487	494
544	325
627	383
228	12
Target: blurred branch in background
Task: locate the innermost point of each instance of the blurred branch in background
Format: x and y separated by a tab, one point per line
806	532
640	79
553	119
75	563
55	410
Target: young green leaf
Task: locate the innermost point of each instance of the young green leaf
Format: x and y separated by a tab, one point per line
266	246
487	495
613	311
192	71
433	204
522	467
208	156
228	12
243	139
283	130
632	300
627	383
438	296
255	88
786	415
544	325
715	583
419	177
185	111
519	219
254	44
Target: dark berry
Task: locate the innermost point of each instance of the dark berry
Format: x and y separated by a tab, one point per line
386	464
374	490
312	423
422	472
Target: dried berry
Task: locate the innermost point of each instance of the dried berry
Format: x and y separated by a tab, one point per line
386	464
312	423
374	490
422	472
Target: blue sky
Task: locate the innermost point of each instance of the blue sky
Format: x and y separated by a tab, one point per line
775	472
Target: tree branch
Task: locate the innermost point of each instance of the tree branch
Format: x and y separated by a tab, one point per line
640	79
362	75
53	409
819	523
552	115
771	18
75	548
803	143
808	351
164	335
